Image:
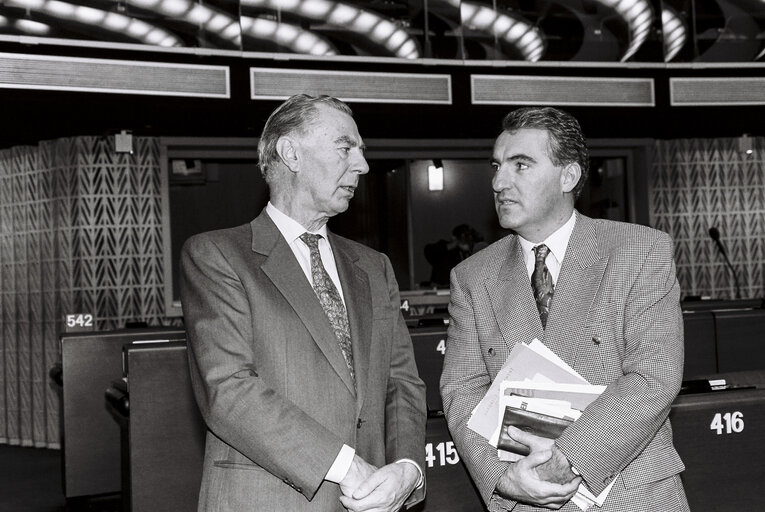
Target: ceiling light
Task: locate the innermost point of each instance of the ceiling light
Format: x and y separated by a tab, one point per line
674	31
516	31
436	176
288	36
32	27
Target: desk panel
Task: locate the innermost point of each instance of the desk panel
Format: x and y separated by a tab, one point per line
91	438
719	437
429	348
740	340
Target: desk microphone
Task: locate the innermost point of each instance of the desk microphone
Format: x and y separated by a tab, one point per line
714	234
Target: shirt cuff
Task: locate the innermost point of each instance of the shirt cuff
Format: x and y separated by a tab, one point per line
342	464
420	480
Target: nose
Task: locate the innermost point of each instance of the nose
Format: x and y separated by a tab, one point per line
501	180
360	164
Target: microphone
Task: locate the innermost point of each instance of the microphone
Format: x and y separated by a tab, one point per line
714	234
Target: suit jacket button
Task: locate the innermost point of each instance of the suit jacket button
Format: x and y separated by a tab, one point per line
596	340
359	422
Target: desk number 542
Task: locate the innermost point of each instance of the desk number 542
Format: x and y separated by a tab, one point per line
730	422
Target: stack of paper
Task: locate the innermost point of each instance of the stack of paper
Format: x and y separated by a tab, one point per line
537	392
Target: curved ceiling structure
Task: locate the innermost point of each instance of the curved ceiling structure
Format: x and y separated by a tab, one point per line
529	30
116	23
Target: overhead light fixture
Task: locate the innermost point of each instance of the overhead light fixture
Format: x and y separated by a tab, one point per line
745	144
514	30
639	16
436	175
286	35
347	16
133	28
674	31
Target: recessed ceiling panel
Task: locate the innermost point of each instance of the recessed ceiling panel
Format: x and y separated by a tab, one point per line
278	84
560	90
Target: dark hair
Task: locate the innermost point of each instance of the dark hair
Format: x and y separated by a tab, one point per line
566	144
294	115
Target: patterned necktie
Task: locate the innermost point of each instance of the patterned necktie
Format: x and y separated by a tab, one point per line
330	300
541	283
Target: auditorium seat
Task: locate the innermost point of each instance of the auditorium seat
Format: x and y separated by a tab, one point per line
700	344
162	430
740	341
719	437
450	488
429	343
90	437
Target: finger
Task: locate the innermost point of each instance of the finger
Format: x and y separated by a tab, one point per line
536	458
369	485
530	440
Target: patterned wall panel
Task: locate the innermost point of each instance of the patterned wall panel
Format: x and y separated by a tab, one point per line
697	184
80	231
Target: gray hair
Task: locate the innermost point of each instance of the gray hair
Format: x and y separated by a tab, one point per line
567	143
294	115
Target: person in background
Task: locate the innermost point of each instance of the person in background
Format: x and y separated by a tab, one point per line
603	296
445	255
300	361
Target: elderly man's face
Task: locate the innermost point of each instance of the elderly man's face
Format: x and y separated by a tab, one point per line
331	162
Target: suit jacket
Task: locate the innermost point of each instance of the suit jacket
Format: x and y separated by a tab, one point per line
270	378
615	318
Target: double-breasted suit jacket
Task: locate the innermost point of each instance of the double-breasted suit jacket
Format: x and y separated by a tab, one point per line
615	318
270	378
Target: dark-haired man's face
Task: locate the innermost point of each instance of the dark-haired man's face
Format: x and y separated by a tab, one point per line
528	187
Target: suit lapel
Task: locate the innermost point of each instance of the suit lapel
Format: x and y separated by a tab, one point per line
512	299
284	271
358	301
578	283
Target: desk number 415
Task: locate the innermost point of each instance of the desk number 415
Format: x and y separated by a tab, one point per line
730	422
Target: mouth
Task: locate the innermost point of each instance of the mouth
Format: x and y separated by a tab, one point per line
349	188
503	201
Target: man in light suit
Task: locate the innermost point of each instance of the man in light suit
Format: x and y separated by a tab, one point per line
603	296
301	363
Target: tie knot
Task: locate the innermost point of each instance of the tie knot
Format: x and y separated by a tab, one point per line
311	240
541	251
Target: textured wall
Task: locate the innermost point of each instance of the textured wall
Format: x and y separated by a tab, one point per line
697	184
80	232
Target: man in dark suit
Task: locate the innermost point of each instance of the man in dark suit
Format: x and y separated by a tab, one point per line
603	296
301	363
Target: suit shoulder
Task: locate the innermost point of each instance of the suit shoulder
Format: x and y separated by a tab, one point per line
488	259
617	236
219	237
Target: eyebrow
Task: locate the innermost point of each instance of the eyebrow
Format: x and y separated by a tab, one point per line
347	140
515	157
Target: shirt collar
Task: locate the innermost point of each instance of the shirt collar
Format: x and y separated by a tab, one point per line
556	242
289	227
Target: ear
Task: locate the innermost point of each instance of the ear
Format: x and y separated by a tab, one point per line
286	148
569	177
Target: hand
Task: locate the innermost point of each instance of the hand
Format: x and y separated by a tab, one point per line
359	471
385	490
557	469
527	480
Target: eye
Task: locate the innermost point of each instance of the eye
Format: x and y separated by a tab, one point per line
521	166
345	149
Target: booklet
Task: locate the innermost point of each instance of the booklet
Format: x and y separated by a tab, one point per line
538	392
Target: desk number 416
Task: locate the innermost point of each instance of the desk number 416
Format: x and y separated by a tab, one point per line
730	422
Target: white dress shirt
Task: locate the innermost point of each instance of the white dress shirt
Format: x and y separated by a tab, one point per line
556	242
291	230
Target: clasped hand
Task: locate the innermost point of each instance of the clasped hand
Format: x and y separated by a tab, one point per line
366	488
542	478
